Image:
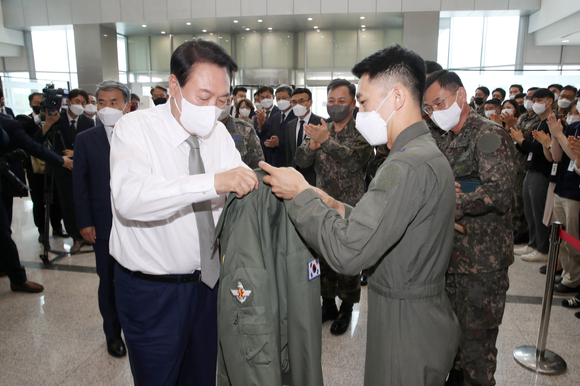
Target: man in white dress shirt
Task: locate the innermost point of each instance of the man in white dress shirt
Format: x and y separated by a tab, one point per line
171	168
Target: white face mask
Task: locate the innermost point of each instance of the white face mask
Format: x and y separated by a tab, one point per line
572	119
507	112
283	104
488	113
564	103
372	126
76	109
90	109
556	97
528	104
448	119
539	108
109	116
225	112
258	105
244	112
299	110
267	103
199	120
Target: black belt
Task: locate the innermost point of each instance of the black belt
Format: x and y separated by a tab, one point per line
188	278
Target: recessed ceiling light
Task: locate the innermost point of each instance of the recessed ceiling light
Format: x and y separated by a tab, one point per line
363	26
163	32
143	25
362	17
211	33
566	41
105	35
315	27
270	28
235	21
309	19
363	30
247	29
259	20
317	30
188	23
203	30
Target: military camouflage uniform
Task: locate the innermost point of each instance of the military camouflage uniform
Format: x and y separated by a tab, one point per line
527	123
247	141
477	278
340	166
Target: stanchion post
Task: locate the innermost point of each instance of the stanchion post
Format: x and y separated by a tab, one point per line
538	358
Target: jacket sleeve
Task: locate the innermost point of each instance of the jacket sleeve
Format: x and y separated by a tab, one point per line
81	185
20	139
353	156
377	222
304	156
255	153
496	174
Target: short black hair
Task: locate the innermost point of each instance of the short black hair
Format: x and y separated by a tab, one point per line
199	50
336	83
543	93
493	101
431	66
256	93
284	87
483	89
558	86
31	96
578	94
404	65
238	89
501	91
302	91
135	96
1	93
76	92
570	88
533	89
520	95
519	86
264	89
448	80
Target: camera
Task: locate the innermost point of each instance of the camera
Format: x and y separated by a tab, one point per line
5	172
51	100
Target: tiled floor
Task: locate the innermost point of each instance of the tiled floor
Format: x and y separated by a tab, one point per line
55	338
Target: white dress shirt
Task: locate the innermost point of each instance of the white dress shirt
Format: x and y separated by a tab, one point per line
109	131
306	120
154	229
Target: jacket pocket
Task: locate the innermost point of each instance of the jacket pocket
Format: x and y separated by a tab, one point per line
252	342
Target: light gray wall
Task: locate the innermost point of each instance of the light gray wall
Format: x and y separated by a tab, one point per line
96	55
421	32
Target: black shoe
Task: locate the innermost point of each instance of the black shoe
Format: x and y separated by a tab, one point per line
521	238
364	279
60	233
329	310
577	314
341	323
116	348
455	378
544	269
571	303
564	289
558	280
41	238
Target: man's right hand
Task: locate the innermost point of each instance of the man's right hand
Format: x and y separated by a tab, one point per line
50	120
89	234
240	180
261	118
68	163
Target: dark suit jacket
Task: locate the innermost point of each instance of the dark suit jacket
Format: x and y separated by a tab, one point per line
266	133
308	173
9	112
20	140
278	128
91	181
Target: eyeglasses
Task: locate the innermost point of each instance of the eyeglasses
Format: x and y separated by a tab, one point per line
439	105
301	101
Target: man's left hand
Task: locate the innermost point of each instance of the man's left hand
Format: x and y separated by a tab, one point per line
272	142
286	183
68	153
317	133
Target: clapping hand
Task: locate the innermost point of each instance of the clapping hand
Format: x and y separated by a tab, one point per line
508	118
555	125
574	144
517	135
317	133
543	138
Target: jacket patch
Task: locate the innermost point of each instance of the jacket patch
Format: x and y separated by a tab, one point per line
488	143
313	269
389	177
241	294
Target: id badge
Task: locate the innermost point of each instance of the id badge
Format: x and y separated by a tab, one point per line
571	166
530	156
554	168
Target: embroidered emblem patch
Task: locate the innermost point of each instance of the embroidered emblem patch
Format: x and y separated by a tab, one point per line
241	294
313	269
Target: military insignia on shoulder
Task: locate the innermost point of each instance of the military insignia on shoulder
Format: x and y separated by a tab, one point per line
241	294
313	269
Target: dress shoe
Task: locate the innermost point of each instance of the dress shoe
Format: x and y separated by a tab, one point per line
364	279
60	233
535	257
523	250
116	348
77	246
27	286
341	323
558	280
564	289
329	310
571	303
577	314
544	269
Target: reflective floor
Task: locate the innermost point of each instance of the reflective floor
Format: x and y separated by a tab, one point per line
56	338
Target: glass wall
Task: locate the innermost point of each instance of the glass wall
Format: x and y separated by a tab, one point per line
55	56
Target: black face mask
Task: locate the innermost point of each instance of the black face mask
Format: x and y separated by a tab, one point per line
36	109
479	101
159	101
338	113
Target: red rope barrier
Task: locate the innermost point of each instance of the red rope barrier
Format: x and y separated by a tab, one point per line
569	239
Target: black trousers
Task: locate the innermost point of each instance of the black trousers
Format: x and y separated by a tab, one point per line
64	187
36	185
107	304
9	260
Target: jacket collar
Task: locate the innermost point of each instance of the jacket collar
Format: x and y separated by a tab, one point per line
415	130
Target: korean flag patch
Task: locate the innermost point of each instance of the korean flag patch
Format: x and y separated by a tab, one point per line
313	269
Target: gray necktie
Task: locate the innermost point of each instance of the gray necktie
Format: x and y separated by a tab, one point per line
210	268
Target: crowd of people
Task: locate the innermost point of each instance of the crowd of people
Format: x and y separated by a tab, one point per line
441	191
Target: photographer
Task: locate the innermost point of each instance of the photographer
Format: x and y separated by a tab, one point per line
9	259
